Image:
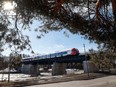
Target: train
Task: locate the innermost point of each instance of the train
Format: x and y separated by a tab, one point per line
70	52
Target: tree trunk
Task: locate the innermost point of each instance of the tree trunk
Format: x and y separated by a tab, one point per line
97	9
114	9
114	14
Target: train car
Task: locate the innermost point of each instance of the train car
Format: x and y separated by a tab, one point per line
52	55
27	59
72	51
36	57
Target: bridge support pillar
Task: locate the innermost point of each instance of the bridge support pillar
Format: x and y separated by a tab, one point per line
58	68
34	70
24	69
30	69
89	67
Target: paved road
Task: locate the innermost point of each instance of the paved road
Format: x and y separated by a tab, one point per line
109	81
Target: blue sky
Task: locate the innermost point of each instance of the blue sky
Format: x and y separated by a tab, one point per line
55	41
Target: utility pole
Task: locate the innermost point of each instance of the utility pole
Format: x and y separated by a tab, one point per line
9	70
86	61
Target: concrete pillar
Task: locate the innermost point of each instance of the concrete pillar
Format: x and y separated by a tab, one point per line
30	69
34	69
37	70
25	68
58	68
89	67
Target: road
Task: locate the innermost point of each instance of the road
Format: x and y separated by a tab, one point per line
109	81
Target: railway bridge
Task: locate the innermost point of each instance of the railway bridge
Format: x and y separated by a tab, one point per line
58	61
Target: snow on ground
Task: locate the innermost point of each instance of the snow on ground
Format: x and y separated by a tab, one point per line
49	76
15	77
74	71
43	75
7	70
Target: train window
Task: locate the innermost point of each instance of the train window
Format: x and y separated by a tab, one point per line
58	54
38	57
69	52
41	57
61	53
44	56
48	56
53	55
64	53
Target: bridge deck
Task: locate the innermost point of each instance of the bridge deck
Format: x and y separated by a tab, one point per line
63	59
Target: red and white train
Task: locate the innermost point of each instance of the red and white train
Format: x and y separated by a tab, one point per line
72	52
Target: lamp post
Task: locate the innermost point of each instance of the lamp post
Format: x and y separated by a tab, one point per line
86	61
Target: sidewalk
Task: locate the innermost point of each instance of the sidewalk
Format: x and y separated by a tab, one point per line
109	81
